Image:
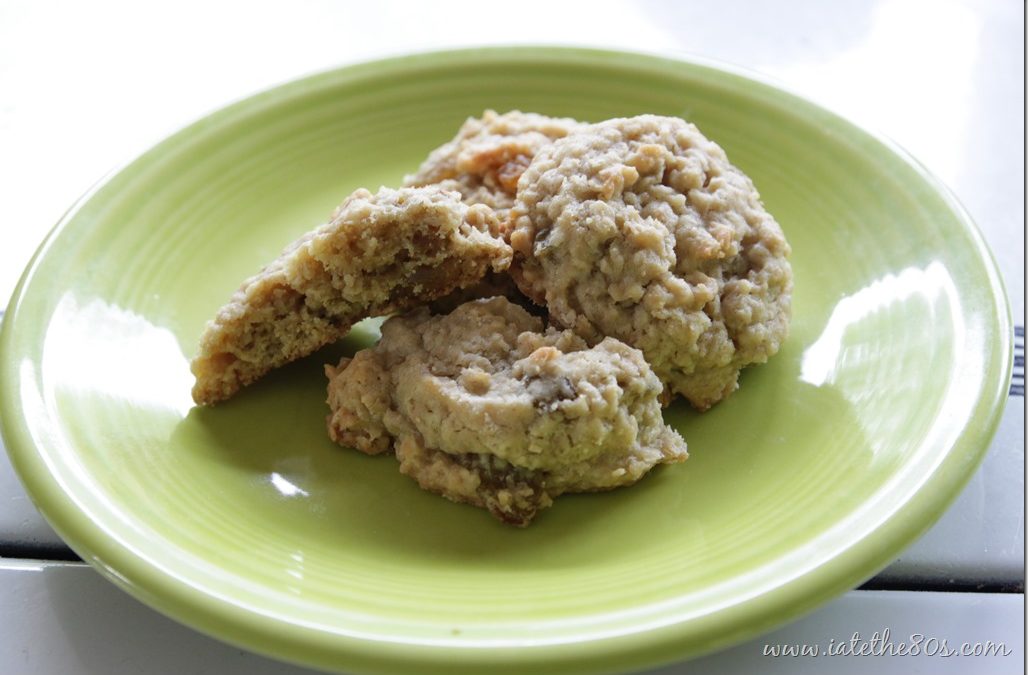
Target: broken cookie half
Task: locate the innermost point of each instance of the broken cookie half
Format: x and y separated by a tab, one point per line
485	406
379	253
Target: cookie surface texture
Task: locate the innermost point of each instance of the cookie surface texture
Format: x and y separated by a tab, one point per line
641	229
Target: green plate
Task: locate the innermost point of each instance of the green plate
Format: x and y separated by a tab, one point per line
245	521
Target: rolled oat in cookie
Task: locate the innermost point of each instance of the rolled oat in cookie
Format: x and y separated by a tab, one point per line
487	156
641	229
380	253
486	406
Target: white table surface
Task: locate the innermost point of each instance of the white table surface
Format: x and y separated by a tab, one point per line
86	86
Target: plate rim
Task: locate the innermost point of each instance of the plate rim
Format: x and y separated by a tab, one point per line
274	637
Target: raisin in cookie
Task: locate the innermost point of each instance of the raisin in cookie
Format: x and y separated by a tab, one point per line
378	254
485	406
640	229
487	156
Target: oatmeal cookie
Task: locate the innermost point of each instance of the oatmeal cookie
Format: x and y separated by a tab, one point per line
487	156
641	229
487	407
378	254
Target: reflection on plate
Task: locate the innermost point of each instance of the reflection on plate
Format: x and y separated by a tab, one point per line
244	520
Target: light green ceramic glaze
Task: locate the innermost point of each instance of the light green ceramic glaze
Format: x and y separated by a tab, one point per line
247	523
